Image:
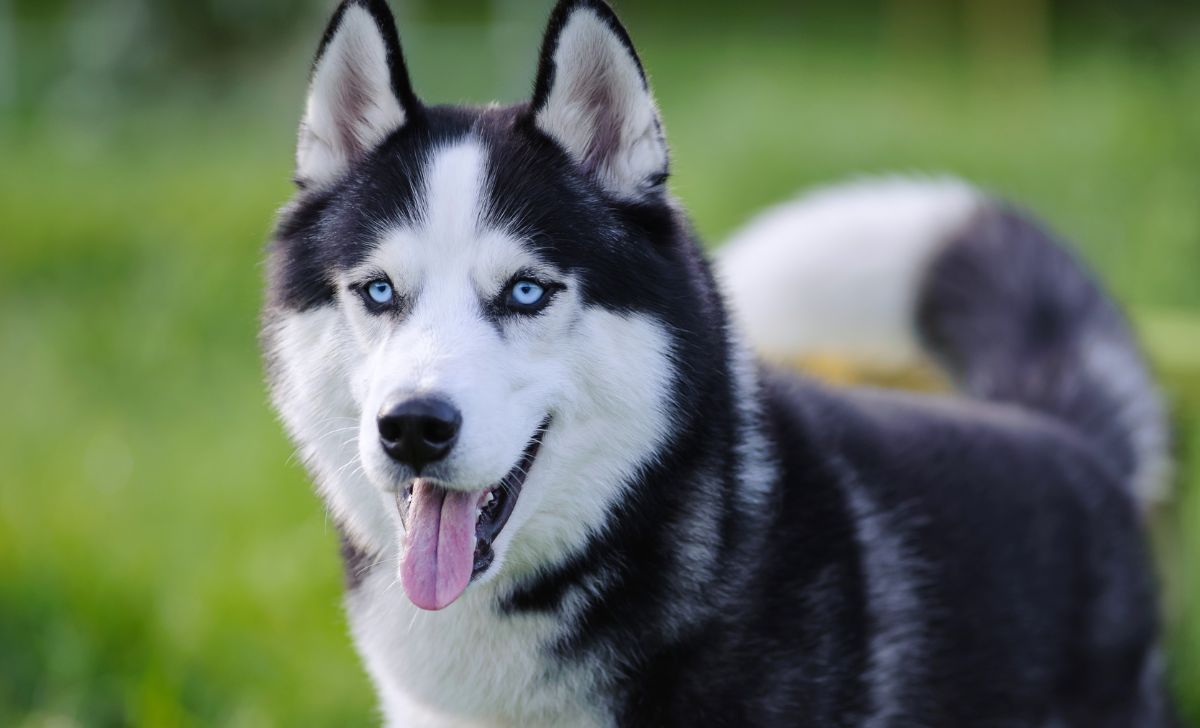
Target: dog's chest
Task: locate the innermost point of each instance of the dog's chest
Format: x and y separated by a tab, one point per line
467	665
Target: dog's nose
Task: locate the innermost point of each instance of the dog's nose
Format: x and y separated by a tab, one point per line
418	431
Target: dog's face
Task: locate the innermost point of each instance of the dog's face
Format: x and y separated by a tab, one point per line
468	326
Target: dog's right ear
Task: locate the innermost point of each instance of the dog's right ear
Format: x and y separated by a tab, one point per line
359	93
592	98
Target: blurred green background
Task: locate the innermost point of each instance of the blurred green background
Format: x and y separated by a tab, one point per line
162	558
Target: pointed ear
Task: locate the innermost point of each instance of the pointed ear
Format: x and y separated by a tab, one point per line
592	98
359	92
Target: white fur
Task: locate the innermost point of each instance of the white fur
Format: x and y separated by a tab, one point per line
836	272
466	665
309	390
758	467
893	574
1142	413
599	92
604	377
337	129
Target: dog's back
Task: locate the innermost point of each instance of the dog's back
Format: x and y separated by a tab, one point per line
1005	581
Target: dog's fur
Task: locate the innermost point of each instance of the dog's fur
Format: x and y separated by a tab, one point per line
702	540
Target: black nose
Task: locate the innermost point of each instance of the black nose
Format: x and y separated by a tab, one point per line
418	431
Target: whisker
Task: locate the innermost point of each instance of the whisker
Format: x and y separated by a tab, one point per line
352	461
336	431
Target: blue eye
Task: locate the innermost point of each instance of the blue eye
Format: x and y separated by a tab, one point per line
527	293
380	292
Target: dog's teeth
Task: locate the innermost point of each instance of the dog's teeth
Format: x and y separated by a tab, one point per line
490	497
478	512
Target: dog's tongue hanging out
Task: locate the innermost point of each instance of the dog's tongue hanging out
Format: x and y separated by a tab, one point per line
440	552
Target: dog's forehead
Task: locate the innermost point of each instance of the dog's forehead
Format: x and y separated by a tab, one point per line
453	225
464	174
460	180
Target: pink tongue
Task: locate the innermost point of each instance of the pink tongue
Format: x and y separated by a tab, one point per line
440	554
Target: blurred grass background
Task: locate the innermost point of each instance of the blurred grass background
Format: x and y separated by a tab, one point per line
162	558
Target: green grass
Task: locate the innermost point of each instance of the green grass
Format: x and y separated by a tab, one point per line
162	558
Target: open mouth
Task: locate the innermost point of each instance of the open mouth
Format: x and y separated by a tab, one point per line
449	533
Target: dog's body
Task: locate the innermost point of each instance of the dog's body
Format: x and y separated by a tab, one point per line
499	317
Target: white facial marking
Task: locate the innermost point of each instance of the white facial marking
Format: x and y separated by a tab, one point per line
613	415
449	266
313	352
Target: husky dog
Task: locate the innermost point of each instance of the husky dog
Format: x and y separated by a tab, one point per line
570	496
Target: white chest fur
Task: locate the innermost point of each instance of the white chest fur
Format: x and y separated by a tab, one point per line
467	665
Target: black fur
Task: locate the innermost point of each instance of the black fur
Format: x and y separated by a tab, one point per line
1012	315
356	562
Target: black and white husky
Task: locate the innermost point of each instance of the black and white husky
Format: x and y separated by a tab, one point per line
568	494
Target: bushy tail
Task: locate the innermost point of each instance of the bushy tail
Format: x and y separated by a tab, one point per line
897	270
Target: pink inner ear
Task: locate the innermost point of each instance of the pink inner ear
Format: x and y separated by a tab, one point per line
352	100
606	127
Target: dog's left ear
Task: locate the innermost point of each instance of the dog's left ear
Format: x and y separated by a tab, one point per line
592	98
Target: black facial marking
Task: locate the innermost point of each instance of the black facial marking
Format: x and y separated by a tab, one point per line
356	562
298	274
326	231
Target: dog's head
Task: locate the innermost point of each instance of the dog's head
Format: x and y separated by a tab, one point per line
474	314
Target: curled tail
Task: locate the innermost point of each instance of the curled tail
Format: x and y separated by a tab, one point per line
897	271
